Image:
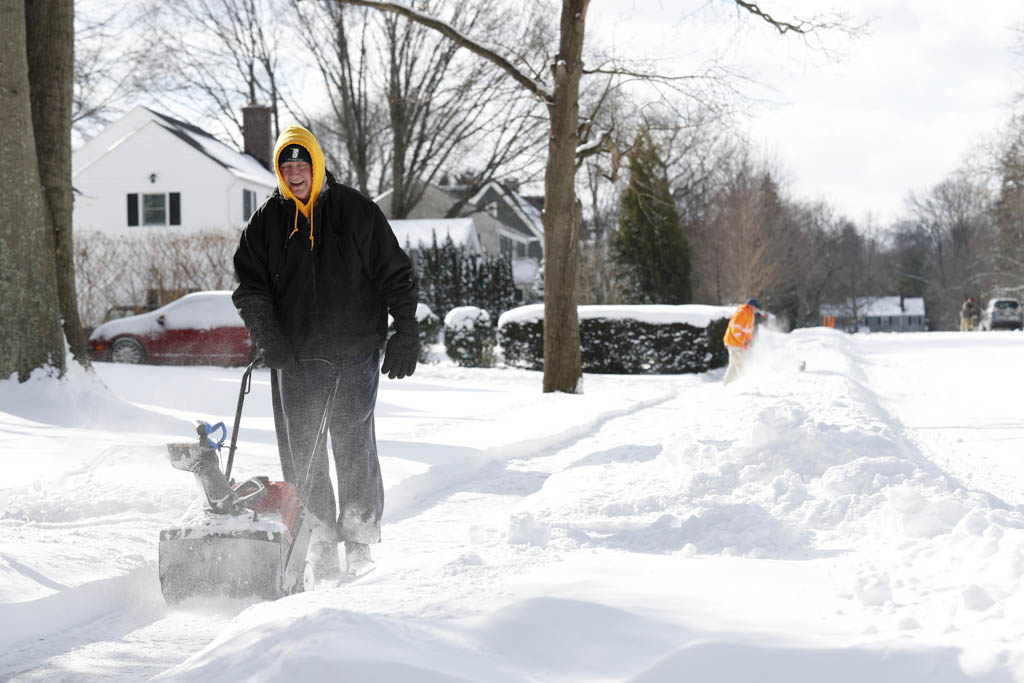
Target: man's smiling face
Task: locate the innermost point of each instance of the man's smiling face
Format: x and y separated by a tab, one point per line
298	175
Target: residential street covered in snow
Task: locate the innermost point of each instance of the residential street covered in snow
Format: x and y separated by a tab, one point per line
861	519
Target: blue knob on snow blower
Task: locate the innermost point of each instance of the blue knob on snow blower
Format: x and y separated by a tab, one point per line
210	430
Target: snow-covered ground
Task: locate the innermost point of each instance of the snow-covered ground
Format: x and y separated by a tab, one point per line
860	520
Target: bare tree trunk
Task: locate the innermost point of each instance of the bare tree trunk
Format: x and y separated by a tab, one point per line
562	210
50	38
29	306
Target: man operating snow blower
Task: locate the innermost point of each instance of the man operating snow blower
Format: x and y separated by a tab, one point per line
739	335
319	269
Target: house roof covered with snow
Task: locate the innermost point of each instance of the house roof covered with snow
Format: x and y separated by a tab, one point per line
421	232
240	164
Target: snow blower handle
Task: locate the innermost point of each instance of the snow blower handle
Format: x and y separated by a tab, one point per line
246	386
210	430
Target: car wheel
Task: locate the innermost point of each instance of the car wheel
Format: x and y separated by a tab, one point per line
127	350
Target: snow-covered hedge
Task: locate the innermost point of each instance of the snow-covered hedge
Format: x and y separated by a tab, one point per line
469	337
430	328
625	339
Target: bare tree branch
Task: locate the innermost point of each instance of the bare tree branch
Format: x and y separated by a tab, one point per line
783	27
460	39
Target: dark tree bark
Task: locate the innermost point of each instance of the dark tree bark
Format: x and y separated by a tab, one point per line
29	305
50	38
562	210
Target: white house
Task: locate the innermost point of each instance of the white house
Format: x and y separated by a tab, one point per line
148	171
879	314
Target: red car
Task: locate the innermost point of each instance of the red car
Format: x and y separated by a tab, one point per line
202	328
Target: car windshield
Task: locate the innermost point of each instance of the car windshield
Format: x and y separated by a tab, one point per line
1007	305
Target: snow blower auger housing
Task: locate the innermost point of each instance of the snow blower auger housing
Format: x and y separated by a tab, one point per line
238	540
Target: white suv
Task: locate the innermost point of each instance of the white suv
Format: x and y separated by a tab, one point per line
1002	313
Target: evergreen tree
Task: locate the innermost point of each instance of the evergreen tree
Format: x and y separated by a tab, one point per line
502	294
649	250
1008	212
451	276
453	283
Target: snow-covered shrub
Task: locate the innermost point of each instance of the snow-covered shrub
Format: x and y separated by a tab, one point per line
521	336
469	337
716	341
625	339
430	329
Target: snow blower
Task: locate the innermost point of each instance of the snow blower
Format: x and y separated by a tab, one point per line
237	540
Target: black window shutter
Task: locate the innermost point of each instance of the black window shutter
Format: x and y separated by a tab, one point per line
133	209
175	208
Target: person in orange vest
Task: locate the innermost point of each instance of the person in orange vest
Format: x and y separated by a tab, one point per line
739	335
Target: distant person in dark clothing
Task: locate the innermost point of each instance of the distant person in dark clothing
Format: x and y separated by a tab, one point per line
968	315
319	270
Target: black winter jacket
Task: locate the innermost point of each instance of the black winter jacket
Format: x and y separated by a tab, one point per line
331	300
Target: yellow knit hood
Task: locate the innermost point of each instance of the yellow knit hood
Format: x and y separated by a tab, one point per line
297	135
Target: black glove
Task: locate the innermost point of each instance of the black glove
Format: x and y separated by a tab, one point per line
277	355
261	322
403	350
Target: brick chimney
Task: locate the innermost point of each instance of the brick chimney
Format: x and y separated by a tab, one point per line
256	133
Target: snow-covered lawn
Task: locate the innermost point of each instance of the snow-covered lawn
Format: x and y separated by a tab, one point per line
860	520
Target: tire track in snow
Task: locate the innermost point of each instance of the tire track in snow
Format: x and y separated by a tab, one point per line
417	493
460	545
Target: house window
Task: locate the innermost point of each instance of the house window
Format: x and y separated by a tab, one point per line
505	245
520	249
154	209
248	203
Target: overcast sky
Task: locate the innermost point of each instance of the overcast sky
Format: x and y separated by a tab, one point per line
929	82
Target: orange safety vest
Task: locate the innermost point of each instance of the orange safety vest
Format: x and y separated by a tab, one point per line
740	331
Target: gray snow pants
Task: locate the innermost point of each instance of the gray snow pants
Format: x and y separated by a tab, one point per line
737	357
300	394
